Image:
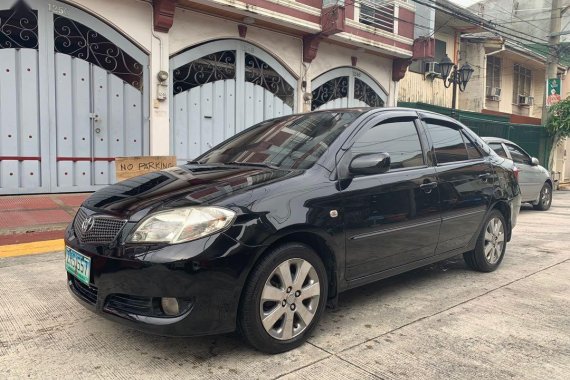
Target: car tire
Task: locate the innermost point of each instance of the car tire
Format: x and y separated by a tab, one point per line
278	311
545	198
491	244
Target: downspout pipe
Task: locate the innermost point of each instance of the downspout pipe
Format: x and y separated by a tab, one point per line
496	51
485	66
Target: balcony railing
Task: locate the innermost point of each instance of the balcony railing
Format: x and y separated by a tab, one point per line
377	13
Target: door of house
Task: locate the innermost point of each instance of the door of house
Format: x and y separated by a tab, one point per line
222	87
346	87
72	98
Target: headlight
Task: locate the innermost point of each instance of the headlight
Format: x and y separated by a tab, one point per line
180	225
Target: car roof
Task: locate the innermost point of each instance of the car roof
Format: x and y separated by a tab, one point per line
371	110
497	139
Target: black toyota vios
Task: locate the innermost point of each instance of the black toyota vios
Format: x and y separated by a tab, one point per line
261	232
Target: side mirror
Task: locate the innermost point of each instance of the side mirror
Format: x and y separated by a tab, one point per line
370	163
534	161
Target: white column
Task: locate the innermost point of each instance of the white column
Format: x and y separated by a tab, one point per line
159	109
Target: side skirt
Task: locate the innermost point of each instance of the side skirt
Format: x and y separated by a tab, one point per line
404	268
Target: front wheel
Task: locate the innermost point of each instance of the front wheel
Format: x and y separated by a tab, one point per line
545	198
491	244
283	298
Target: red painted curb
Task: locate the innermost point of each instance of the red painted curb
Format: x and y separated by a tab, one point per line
31	237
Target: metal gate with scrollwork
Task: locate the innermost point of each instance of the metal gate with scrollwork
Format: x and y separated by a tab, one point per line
222	87
346	87
72	98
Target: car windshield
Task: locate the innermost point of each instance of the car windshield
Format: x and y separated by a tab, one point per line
291	142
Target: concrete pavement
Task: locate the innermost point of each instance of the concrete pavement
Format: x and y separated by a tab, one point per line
442	321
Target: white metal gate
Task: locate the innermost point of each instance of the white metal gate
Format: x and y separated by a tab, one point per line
222	87
71	98
346	87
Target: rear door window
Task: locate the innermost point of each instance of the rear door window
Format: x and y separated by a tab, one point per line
448	143
472	151
397	137
498	148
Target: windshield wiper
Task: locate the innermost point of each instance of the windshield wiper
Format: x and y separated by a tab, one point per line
258	164
194	162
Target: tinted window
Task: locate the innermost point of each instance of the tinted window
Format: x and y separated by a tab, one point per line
498	148
398	138
291	142
472	151
448	143
518	155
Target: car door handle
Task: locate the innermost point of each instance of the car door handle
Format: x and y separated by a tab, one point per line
485	176
428	187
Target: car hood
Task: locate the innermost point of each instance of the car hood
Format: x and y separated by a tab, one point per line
187	185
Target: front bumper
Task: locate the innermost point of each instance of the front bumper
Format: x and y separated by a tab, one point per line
208	273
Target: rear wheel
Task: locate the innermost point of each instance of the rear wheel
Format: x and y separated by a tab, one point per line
491	244
283	298
545	198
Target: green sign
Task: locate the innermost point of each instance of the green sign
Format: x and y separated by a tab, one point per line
553	94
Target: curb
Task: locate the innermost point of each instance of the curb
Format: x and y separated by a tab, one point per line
37	247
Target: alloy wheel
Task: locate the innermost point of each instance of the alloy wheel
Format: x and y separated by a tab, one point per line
545	196
494	240
289	299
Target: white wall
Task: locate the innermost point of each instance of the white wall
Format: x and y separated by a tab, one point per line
333	56
134	19
192	28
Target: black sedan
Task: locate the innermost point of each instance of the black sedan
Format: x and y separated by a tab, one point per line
265	229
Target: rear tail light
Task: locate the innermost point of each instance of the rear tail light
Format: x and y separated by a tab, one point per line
516	173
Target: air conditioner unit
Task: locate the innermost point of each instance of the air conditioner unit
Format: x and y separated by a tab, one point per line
494	93
431	69
526	100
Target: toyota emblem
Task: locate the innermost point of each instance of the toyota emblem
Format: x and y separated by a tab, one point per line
87	224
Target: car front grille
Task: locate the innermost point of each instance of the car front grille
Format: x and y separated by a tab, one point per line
87	292
132	304
103	230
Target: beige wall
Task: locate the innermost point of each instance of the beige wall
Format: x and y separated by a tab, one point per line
566	167
473	98
415	87
134	19
537	87
563	152
561	164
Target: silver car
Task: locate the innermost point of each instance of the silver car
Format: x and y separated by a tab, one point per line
534	180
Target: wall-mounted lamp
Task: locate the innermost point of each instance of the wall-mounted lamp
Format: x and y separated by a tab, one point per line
454	76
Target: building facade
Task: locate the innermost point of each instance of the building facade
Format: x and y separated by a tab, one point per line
437	33
527	17
509	79
85	81
422	83
531	18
